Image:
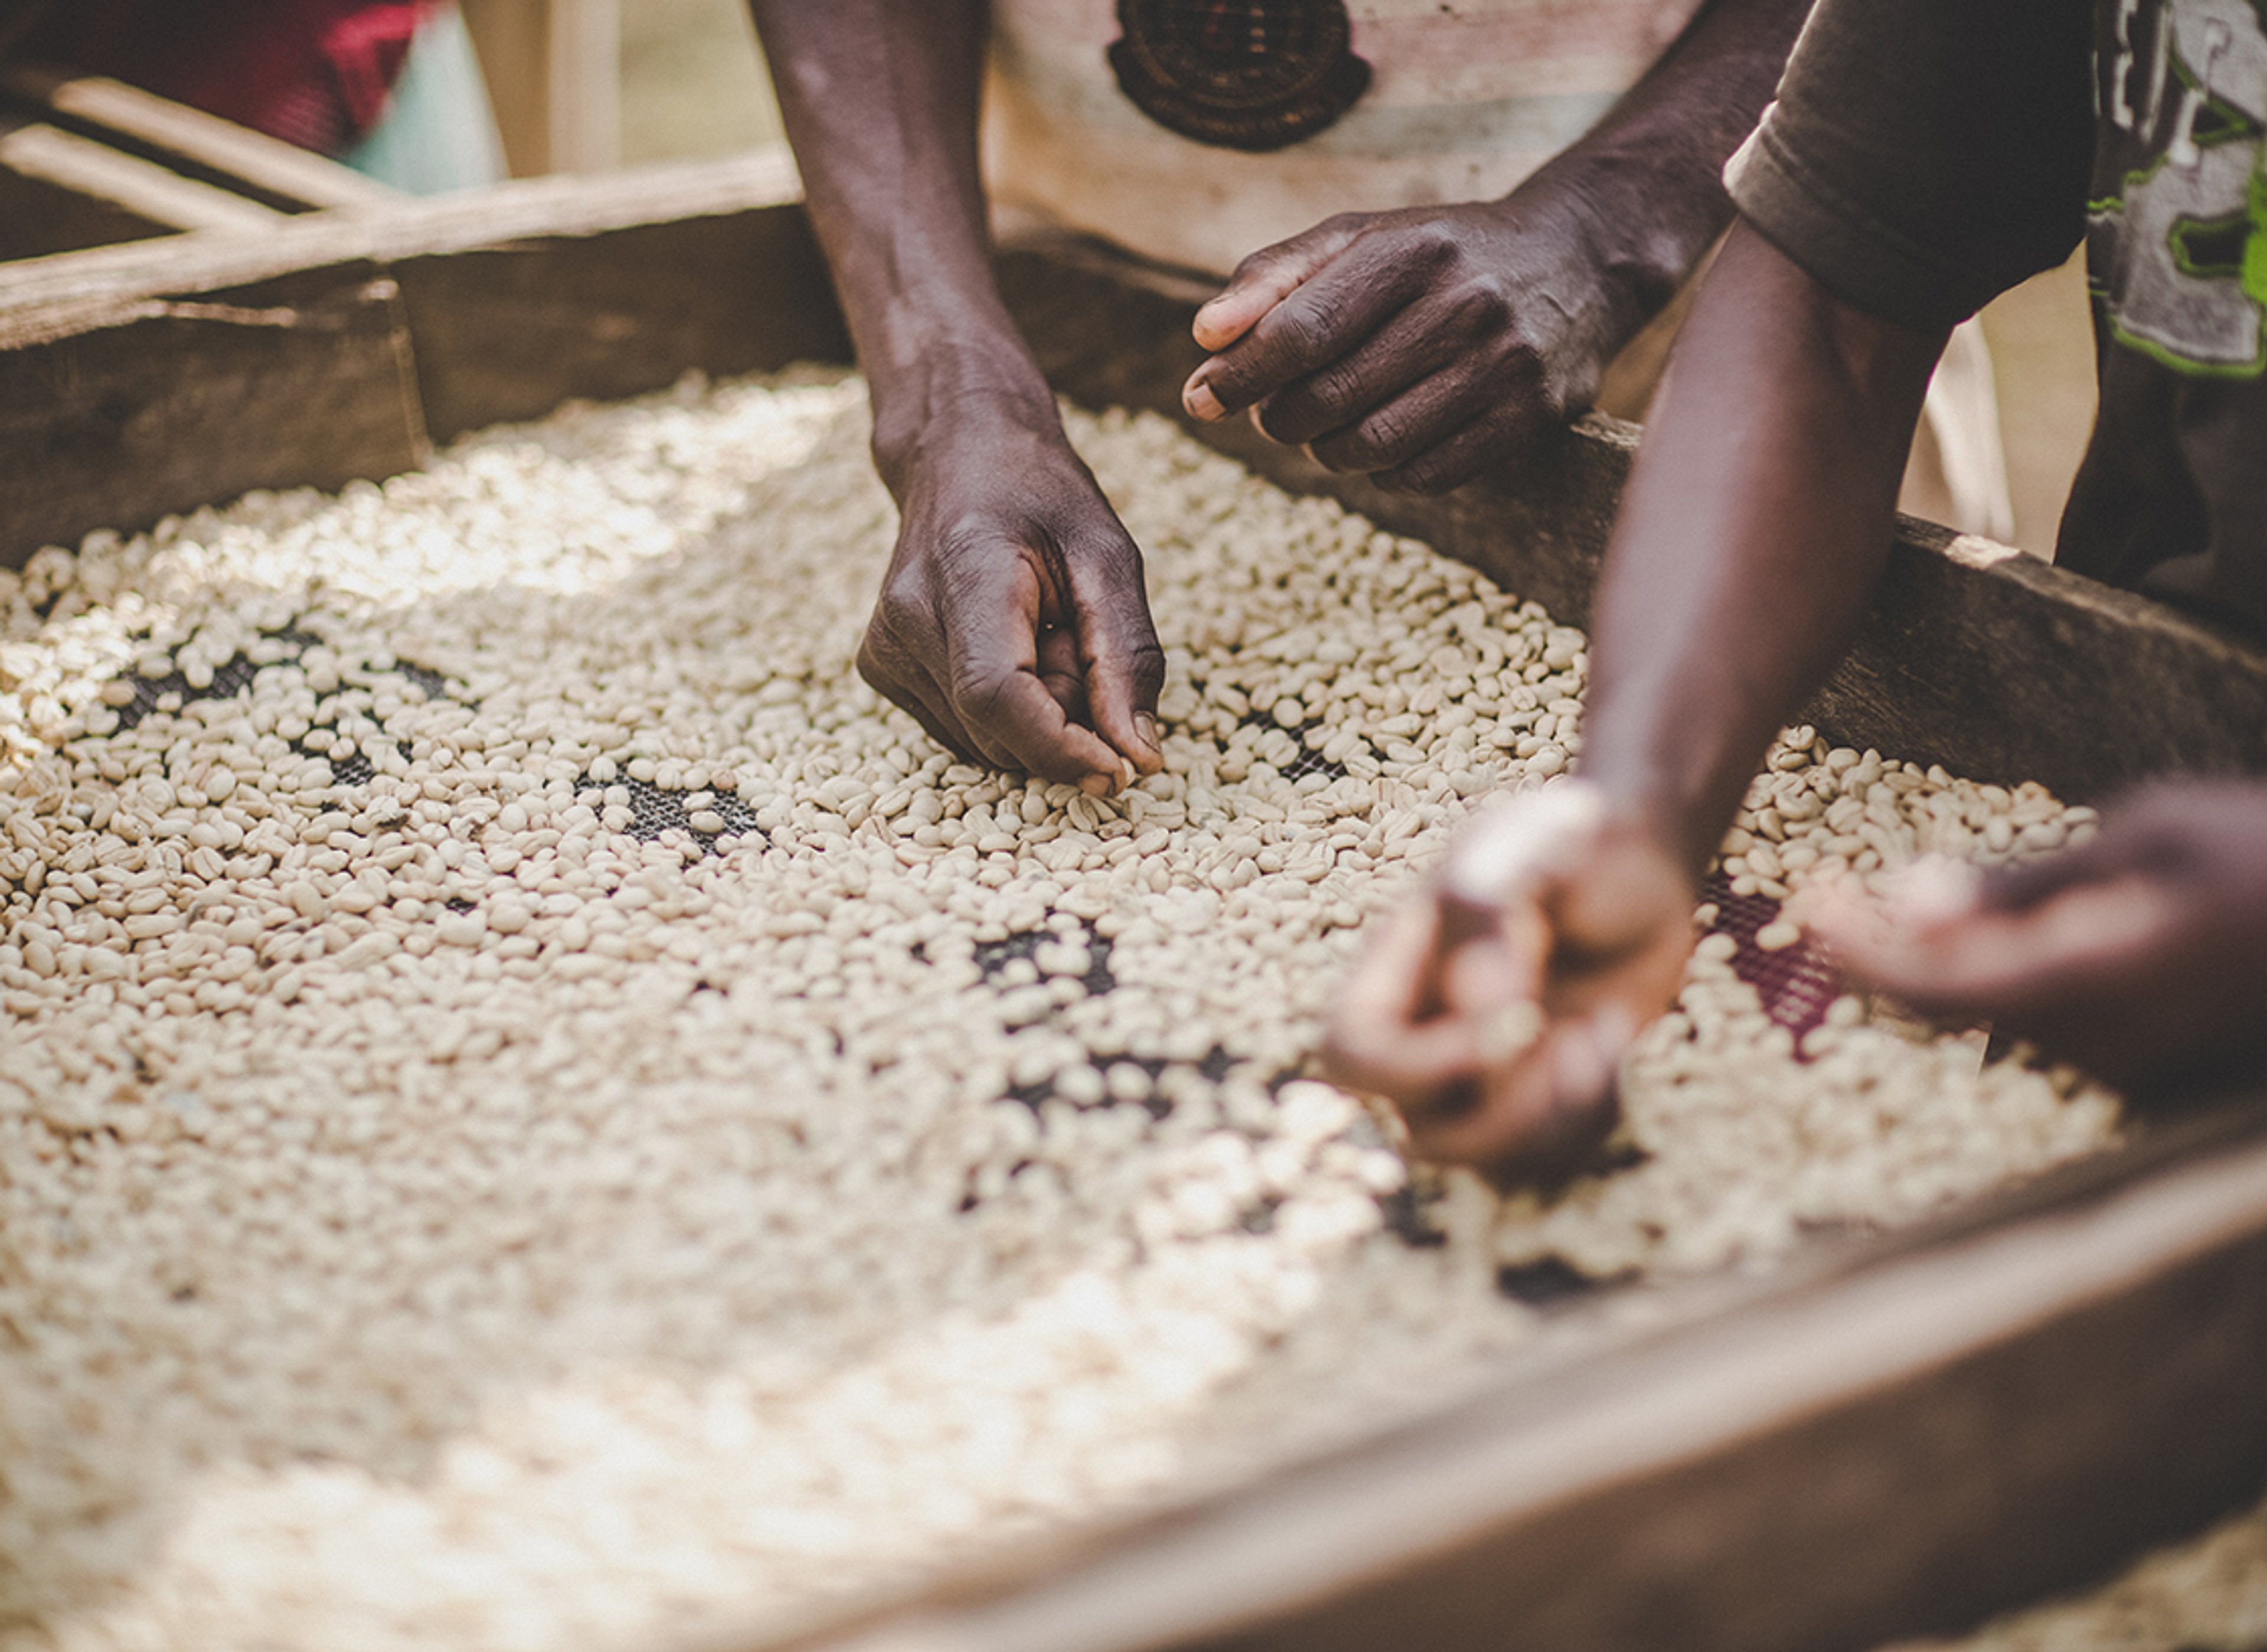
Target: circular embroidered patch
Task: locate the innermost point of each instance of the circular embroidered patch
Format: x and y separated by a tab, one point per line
1241	74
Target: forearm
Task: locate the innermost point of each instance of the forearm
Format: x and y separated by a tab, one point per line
1753	531
1649	176
880	99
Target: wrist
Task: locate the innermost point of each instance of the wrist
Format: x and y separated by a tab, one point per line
936	391
1629	231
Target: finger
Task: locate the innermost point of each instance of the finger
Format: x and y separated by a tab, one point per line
1125	665
1497	438
914	692
1265	279
2095	939
1379	1039
1408	348
1019	724
1408	425
998	697
2120	846
1541	1116
1328	316
1061	672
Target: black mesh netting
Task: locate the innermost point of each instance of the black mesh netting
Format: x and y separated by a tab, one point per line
653	810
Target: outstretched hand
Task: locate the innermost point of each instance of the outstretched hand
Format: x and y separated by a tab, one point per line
1493	1011
1419	347
1013	624
2140	956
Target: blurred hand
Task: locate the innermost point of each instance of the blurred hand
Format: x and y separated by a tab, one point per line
1420	346
1013	623
2140	956
1493	1010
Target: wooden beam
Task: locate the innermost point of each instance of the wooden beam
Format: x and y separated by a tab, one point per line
554	70
149	407
136	381
196	145
59	191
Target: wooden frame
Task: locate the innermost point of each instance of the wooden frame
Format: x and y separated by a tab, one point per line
1894	1435
88	162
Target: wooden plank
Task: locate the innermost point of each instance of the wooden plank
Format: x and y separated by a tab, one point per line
39	217
161	405
554	70
1995	664
1965	1418
543	208
119	363
510	332
189	142
136	186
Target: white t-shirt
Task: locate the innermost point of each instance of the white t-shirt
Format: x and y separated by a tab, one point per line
1465	101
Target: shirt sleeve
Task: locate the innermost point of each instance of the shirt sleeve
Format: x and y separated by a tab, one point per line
1924	156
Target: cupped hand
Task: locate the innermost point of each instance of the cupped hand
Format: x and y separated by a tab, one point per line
2140	956
1013	624
1493	1010
1419	347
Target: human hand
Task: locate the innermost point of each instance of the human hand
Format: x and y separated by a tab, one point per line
2140	956
1419	346
1013	624
1493	1011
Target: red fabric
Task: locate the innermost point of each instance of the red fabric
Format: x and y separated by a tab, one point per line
316	73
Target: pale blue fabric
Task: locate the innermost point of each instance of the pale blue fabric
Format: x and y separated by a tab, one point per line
438	132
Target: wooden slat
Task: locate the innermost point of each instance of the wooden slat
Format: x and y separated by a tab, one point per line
1995	664
510	332
117	364
195	144
544	208
161	405
137	187
1962	1420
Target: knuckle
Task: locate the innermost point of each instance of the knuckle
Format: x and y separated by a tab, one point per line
1381	439
1332	394
1432	243
1485	302
1305	328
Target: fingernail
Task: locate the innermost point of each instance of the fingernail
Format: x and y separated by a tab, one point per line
1146	726
1201	403
1098	785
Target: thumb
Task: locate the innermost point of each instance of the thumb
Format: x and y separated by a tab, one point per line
1265	279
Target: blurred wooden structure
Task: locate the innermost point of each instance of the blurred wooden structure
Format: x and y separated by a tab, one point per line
553	70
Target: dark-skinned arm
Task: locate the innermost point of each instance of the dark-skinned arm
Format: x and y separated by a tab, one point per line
1012	622
1426	345
1754	530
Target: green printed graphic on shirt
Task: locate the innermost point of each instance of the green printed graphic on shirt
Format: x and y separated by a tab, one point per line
2178	255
